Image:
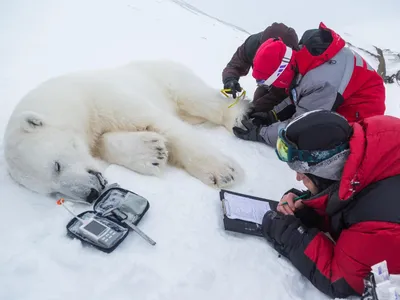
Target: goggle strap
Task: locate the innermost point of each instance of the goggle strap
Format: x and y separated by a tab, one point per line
316	155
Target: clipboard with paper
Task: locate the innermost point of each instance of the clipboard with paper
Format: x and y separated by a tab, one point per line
244	213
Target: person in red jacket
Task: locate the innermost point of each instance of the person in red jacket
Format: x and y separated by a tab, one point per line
349	219
323	74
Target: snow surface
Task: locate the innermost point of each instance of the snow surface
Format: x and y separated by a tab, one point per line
194	257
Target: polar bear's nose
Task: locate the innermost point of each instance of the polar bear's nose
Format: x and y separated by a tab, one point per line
94	194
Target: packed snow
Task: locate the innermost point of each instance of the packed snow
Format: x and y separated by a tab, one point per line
195	258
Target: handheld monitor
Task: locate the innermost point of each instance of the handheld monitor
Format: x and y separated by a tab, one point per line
99	232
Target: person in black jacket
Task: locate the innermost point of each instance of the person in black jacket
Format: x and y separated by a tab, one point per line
242	60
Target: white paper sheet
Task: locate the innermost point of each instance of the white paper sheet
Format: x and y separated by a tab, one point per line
247	209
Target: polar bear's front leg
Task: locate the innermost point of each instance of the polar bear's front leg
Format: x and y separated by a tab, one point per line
192	151
143	152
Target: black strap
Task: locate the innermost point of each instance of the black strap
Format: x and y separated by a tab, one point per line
376	202
339	101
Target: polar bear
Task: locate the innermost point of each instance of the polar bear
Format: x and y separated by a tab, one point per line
64	133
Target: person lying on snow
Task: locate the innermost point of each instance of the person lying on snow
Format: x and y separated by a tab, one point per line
352	173
264	98
323	74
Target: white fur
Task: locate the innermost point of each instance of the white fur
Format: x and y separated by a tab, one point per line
139	116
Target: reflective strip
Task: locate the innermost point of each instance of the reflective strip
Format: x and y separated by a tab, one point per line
360	61
284	63
282	105
369	67
348	71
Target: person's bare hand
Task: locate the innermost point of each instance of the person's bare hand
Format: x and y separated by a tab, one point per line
291	206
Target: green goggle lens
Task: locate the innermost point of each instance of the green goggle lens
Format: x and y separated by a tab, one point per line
282	149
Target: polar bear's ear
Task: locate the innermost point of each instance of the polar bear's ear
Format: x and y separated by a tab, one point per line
31	121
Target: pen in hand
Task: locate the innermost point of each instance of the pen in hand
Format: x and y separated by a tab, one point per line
295	199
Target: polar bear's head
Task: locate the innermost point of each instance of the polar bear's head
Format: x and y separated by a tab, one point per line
51	159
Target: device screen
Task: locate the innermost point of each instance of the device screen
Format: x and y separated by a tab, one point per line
95	227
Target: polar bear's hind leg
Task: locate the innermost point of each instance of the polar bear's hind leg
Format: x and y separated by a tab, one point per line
200	101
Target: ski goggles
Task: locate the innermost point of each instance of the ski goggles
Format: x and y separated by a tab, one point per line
289	152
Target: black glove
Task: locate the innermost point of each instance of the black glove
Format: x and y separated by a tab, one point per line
282	231
251	133
309	217
264	118
286	113
250	109
233	85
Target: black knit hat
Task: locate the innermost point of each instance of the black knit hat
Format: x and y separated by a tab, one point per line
319	130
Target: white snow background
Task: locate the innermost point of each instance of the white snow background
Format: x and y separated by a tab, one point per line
194	257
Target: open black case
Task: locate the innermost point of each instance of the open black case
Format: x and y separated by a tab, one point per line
114	207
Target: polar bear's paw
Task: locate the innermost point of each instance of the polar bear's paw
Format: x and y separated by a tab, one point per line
236	114
217	171
150	157
142	152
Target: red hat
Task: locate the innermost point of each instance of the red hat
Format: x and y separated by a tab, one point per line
273	63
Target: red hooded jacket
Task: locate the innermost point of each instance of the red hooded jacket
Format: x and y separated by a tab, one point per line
361	213
361	87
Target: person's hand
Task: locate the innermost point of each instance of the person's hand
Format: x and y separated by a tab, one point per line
291	206
250	132
264	118
233	86
279	230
